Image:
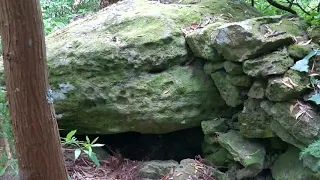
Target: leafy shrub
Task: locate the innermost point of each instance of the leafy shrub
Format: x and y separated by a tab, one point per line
7	163
82	146
58	13
307	9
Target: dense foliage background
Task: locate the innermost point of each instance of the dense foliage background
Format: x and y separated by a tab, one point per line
58	13
307	9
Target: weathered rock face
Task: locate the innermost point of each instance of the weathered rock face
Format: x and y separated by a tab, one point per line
156	169
288	166
120	69
250	64
155	68
302	123
248	39
254	121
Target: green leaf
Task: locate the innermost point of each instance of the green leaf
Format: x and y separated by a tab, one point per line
94	140
313	81
303	64
94	159
2	171
70	134
77	153
315	98
88	140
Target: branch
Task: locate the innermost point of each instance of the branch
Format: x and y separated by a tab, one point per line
279	6
297	4
252	3
290	3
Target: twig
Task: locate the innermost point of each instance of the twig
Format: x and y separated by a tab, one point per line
279	6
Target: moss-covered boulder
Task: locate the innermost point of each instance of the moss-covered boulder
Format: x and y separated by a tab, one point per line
248	152
148	103
121	69
254	122
276	63
286	136
298	51
314	34
300	120
289	167
230	93
199	36
288	87
199	42
251	38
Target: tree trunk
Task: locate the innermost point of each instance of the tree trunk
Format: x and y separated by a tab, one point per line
33	119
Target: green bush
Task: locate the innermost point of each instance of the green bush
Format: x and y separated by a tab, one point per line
58	13
306	9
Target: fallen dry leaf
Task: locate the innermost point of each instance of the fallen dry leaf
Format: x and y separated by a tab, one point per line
304	43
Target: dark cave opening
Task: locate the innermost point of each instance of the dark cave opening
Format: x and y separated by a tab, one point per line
176	145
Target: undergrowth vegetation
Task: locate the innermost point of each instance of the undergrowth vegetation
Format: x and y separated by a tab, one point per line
8	163
307	9
58	13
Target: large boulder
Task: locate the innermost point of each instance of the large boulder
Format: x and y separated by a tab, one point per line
122	69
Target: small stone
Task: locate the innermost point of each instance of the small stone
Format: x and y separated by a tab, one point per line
233	67
216	154
213	126
290	86
257	90
240	80
247	152
298	52
254	121
155	169
230	93
211	67
200	44
276	63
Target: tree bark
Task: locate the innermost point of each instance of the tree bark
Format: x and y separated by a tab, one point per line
33	118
